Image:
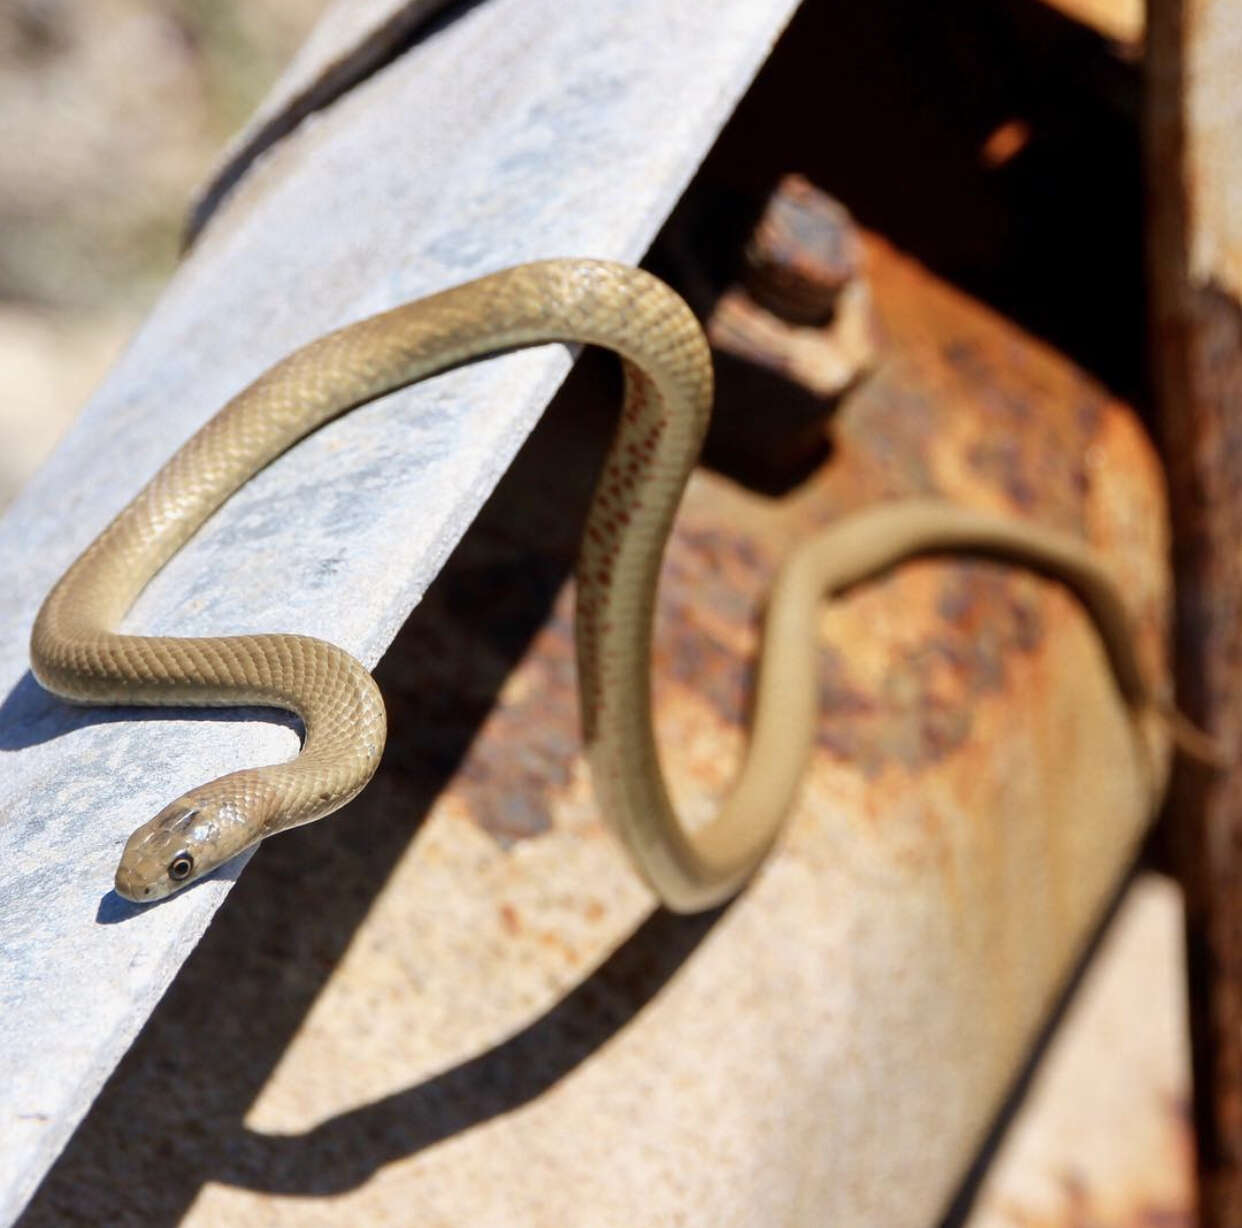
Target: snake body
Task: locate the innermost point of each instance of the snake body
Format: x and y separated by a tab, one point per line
78	653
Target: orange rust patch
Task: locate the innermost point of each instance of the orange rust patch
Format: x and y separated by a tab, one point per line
510	922
965	406
1005	142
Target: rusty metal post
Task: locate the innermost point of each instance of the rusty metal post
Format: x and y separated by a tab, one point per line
1195	176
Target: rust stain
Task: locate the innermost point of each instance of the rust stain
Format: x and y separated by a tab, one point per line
965	406
922	712
976	615
510	922
1094	1195
1078	1210
1005	142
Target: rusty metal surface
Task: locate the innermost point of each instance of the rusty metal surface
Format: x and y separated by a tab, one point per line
804	251
790	319
1195	164
450	1003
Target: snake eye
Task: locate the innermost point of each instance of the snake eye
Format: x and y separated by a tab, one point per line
180	867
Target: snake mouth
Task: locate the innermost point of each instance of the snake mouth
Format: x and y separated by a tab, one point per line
133	887
137	887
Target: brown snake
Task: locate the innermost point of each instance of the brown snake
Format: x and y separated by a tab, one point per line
77	652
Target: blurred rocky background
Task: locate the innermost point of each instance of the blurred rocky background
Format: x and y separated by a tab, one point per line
111	113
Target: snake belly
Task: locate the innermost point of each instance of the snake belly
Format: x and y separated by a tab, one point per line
78	653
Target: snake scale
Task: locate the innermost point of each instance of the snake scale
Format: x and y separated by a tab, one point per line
78	653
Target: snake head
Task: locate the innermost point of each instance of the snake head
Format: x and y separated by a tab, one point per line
186	840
